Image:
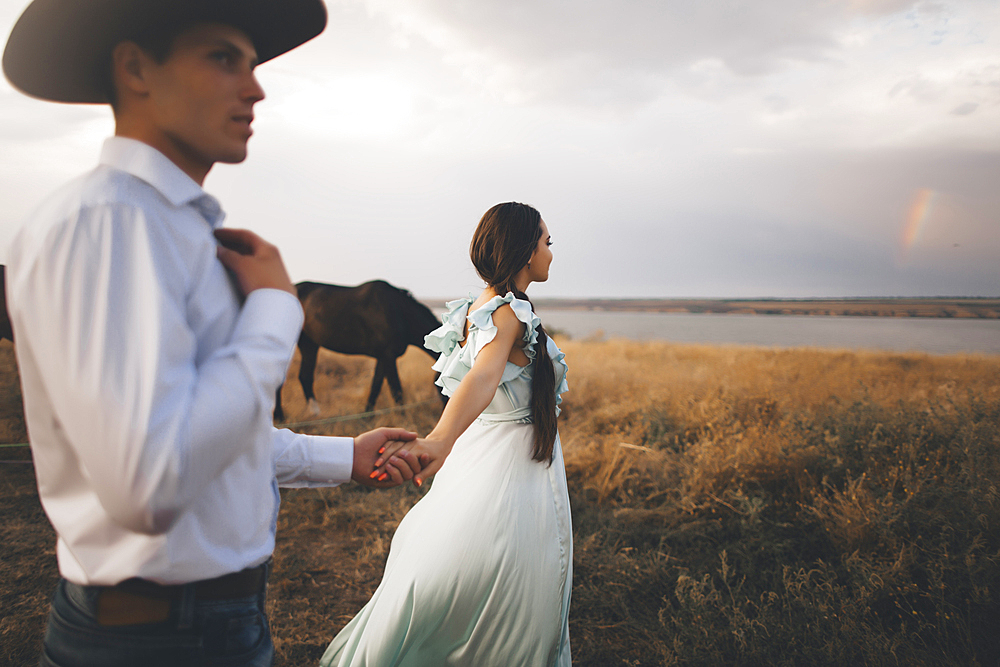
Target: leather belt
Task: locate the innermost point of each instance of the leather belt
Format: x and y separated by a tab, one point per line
139	601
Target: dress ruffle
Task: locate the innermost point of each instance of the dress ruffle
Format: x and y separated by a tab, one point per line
456	361
452	330
482	319
558	359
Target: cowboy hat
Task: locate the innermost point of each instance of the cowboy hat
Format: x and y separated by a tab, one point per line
60	50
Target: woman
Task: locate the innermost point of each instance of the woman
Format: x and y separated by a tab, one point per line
480	570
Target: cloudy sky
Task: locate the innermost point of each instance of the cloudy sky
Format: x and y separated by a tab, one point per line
787	148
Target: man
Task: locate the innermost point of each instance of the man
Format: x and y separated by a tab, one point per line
151	341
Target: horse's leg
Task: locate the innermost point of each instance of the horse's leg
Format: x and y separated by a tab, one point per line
376	385
392	375
307	369
279	414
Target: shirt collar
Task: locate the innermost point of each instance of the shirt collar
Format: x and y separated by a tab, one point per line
150	165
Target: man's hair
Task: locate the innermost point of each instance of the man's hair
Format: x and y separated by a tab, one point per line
157	41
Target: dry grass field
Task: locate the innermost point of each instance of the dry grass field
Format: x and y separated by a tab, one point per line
731	506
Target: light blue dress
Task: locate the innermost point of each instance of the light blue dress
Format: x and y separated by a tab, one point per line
480	570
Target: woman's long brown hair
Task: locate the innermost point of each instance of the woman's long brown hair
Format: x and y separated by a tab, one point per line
502	245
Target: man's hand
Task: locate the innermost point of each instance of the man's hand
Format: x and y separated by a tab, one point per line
255	262
430	454
367	447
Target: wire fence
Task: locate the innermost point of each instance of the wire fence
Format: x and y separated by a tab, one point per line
359	415
291	425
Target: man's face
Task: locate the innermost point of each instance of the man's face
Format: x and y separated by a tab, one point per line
202	97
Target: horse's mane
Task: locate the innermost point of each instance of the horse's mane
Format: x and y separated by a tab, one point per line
409	295
305	287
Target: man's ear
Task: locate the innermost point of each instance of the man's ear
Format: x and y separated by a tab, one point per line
129	67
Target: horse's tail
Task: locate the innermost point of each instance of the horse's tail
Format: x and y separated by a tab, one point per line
6	330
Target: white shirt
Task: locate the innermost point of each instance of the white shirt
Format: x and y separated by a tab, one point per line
148	387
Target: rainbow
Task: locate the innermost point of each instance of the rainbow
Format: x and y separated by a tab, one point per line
917	218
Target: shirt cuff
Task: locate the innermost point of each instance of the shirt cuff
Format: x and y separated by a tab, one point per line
316	460
332	459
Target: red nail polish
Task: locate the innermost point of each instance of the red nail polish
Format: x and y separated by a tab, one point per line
374	472
381	451
418	481
384	476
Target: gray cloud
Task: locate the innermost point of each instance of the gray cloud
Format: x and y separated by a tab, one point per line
561	47
689	148
26	121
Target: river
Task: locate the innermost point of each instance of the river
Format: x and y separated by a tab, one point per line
898	334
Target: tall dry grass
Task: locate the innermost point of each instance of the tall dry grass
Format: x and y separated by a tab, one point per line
731	506
760	507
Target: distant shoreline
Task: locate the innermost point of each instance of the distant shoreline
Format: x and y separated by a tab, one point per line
961	307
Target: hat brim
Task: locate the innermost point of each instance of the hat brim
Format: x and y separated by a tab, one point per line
60	50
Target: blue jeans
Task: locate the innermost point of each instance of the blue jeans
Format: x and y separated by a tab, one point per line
209	633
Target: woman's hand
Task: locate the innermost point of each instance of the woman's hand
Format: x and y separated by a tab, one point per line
430	454
367	448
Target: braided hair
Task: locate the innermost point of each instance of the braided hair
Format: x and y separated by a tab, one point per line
502	245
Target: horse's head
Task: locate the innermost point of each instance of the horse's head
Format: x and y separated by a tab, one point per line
420	319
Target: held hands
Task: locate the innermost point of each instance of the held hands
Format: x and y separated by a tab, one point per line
255	262
467	402
367	448
428	452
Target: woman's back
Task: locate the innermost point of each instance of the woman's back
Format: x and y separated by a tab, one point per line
512	401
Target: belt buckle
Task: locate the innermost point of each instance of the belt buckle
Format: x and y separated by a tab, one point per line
116	607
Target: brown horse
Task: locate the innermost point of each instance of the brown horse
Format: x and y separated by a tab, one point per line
375	319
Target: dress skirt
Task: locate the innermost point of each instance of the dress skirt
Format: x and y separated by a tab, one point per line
480	569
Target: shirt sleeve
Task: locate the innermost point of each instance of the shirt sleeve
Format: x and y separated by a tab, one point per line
311	460
151	419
